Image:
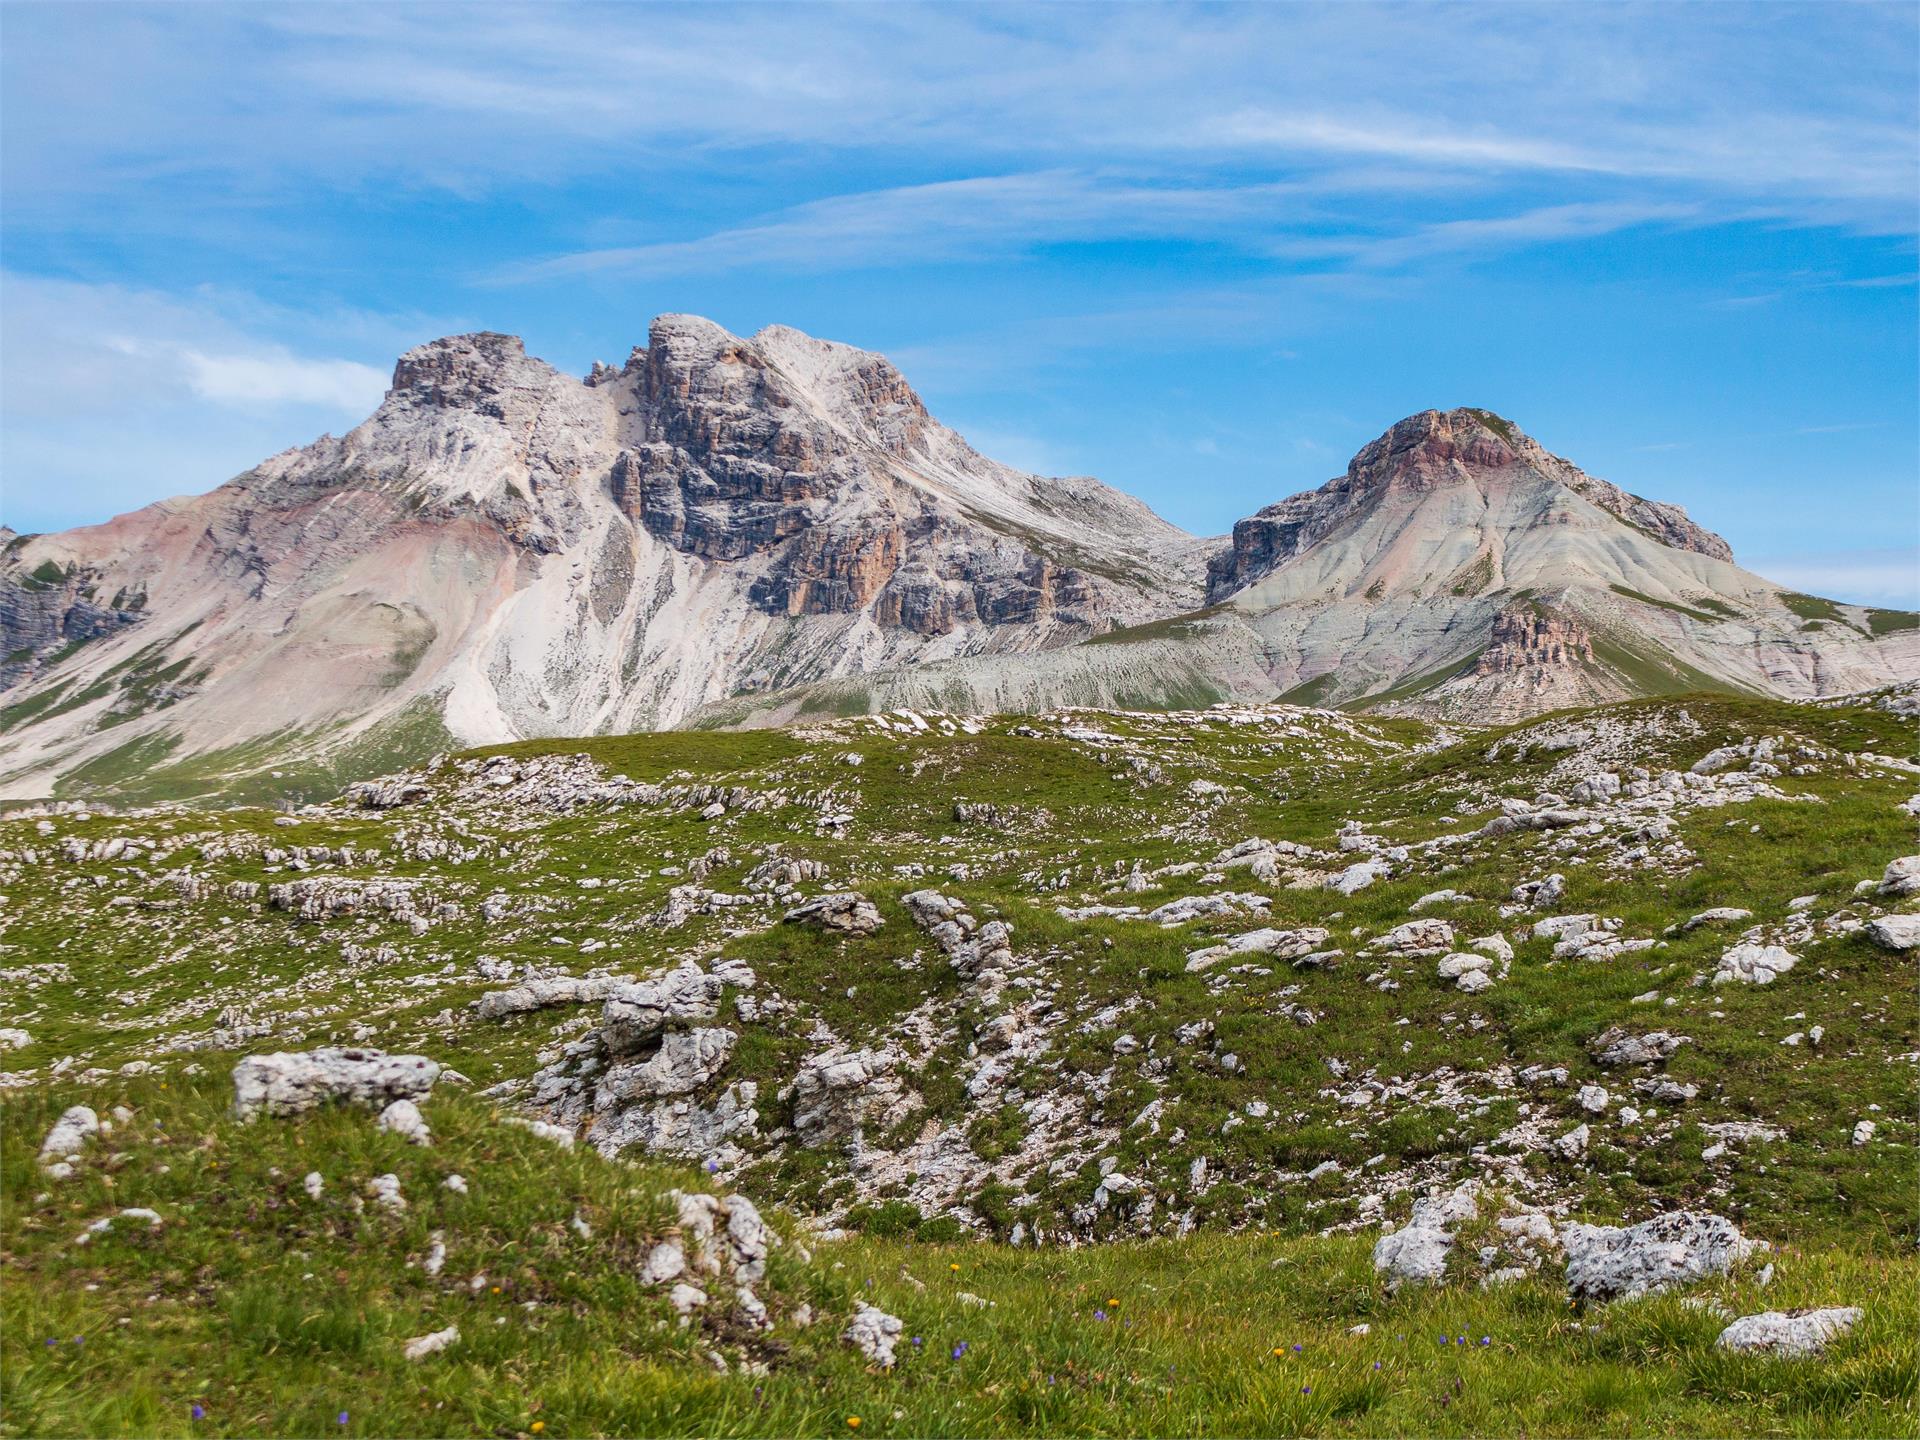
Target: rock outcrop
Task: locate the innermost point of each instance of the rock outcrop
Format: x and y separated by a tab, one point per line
1606	1262
292	1083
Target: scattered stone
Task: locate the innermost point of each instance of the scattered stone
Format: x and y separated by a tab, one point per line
106	1223
686	1060
635	1015
422	1346
665	1262
545	1130
1901	877
1615	1047
1416	937
404	1119
873	1333
1357	877
1719	915
544	994
1895	932
1790	1334
1280	944
847	913
1539	894
385	1190
77	1125
1749	963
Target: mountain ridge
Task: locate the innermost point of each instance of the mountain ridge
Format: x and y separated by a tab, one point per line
732	529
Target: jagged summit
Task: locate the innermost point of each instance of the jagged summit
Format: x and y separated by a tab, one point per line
734	529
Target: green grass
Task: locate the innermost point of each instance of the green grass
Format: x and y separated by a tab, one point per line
1654	673
275	1313
1503	428
1173	628
1311	692
1419	684
1812	607
1689	611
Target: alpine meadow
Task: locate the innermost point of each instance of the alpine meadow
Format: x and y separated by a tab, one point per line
682	896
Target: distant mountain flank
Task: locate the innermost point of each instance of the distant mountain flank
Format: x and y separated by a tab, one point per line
732	530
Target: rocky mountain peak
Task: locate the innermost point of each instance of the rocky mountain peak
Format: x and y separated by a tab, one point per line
462	371
1436	446
1427	453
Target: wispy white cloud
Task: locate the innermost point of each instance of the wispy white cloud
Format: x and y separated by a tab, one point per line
112	395
1403	140
1493	234
948	220
982	218
268	375
1810	116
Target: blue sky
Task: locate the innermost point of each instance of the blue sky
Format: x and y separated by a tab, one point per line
1204	253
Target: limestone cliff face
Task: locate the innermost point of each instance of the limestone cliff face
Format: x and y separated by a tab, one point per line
1525	637
809	455
55	608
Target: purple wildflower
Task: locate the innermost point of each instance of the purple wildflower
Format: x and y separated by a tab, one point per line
1298	1348
1486	1339
1376	1364
1099	1314
1306	1389
198	1412
918	1342
713	1167
341	1418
